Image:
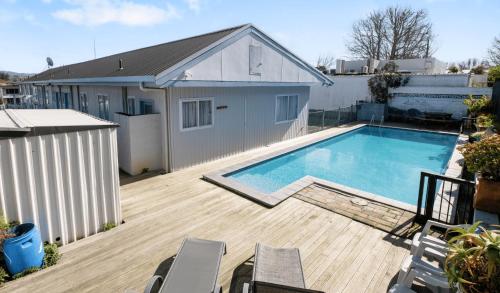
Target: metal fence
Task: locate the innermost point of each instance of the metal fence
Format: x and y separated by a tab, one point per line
323	119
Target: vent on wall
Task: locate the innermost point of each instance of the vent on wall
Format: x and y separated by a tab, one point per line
255	60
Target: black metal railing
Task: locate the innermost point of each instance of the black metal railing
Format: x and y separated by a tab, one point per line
445	199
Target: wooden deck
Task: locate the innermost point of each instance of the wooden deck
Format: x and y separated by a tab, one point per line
339	254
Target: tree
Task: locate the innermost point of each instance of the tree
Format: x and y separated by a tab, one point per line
388	77
494	52
324	63
393	33
453	69
493	75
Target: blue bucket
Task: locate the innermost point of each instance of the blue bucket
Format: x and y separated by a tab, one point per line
25	250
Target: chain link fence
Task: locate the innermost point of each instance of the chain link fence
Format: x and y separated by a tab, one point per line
324	119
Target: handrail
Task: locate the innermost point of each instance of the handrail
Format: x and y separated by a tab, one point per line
454	205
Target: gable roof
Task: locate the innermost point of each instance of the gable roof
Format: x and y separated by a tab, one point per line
140	62
160	62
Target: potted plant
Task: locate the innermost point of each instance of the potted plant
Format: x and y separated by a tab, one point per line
483	158
473	260
484	121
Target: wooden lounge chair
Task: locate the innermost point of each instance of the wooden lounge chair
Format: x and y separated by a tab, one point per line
194	269
277	270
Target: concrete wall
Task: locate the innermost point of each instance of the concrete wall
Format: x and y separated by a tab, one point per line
67	184
445	104
345	91
245	120
441	90
139	140
232	63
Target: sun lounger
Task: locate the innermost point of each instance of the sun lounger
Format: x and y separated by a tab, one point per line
277	270
194	269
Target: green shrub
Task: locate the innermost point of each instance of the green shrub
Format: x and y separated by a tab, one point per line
493	74
483	157
3	275
477	105
485	120
4	225
108	226
478	69
52	255
453	69
26	272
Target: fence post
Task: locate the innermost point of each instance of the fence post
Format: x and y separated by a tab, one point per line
338	117
323	120
431	194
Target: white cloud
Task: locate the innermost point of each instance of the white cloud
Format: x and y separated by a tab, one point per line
194	5
98	12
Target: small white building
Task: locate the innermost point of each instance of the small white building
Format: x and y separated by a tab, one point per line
189	101
59	170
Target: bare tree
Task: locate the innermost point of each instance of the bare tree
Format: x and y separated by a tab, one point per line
494	52
368	37
324	63
393	33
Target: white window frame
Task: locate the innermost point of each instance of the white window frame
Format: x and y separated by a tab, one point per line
197	100
99	107
287	114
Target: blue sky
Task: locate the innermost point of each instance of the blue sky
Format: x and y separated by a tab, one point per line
31	30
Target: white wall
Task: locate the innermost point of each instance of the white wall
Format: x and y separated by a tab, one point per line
442	90
139	141
441	80
346	90
232	63
67	184
247	122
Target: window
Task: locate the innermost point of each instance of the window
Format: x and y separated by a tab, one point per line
196	113
103	106
146	107
287	108
131	106
84	103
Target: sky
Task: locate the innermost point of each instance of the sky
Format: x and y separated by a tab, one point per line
66	30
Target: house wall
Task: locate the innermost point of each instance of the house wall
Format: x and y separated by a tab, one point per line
247	122
140	142
116	106
344	92
232	63
67	184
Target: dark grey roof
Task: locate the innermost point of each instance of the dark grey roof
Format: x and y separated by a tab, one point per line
146	61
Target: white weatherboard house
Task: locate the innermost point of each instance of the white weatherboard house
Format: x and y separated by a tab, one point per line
192	100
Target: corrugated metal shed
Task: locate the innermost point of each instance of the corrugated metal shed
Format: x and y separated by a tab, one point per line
65	180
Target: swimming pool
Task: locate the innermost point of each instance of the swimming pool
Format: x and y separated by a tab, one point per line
379	160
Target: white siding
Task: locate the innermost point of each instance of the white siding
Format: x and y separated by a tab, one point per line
247	122
67	184
232	63
344	92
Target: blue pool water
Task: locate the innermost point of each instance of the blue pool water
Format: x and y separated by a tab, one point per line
383	161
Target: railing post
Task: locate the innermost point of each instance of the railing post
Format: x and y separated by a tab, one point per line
338	117
323	120
420	196
431	194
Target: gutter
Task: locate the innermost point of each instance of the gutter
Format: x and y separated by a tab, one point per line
148	89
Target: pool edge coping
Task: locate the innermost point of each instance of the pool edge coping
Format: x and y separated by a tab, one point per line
453	169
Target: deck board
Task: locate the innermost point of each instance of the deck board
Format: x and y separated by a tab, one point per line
339	254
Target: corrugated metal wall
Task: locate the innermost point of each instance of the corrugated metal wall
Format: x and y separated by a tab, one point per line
247	121
67	183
